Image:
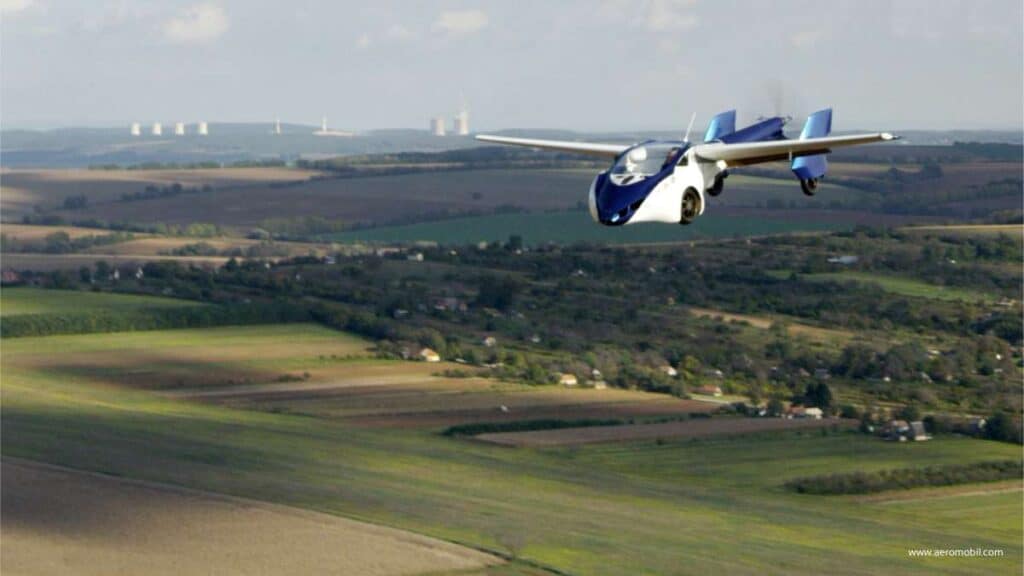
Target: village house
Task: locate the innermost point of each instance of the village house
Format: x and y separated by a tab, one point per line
845	260
10	277
490	341
567	379
917	432
902	431
429	355
800	412
709	390
669	371
450	304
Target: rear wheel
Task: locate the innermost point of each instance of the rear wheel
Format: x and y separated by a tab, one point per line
691	206
809	186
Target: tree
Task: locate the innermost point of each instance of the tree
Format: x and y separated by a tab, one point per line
515	242
910	413
84	274
774	407
102	270
849	411
818	394
497	292
1003	427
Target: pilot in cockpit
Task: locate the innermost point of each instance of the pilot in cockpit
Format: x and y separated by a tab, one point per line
670	156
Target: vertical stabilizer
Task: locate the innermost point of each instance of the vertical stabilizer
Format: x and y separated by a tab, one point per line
810	168
721	125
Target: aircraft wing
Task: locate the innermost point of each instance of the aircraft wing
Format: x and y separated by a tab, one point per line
592	148
746	153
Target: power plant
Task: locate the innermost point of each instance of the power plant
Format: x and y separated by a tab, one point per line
437	126
325	131
460	123
157	129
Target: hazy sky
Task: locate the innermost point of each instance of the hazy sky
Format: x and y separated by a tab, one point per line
585	65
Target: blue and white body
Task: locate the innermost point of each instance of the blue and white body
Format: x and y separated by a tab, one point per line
669	181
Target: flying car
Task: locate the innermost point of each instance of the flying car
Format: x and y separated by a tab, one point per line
669	181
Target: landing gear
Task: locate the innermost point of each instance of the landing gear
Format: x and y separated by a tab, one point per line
719	184
809	186
691	206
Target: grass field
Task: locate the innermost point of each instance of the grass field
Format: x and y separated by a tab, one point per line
968	230
905	286
793	327
696	505
21	300
575	226
121	526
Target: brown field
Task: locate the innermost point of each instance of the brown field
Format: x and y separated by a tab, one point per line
411	395
49	262
62	521
697	428
192	358
32	233
24	189
376	198
152	246
143	248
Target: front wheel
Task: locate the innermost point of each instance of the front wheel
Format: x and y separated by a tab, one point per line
691	206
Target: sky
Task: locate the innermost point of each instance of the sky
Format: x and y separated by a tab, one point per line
588	65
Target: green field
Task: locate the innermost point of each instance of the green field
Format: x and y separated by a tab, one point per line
904	286
574	226
18	301
710	506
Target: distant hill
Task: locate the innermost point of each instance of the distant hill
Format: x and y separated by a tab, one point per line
234	142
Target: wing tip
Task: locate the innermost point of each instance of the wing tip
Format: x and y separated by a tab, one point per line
887	136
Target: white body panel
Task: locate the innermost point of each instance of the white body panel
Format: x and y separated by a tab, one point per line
664	203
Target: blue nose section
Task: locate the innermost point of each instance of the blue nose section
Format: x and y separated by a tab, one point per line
616	203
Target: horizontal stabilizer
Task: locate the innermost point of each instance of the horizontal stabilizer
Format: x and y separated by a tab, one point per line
818	125
720	125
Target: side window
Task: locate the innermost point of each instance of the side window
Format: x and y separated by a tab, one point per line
685	160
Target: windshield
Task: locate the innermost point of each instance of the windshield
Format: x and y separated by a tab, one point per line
646	159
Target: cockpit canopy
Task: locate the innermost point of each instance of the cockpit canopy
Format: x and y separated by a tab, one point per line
647	159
